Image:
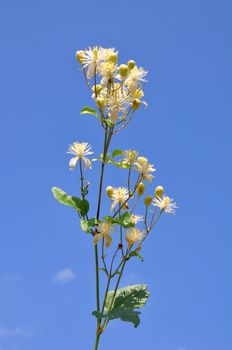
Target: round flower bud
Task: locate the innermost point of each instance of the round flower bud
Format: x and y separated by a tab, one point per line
136	104
159	191
140	189
109	191
131	64
100	102
113	58
80	56
148	200
123	70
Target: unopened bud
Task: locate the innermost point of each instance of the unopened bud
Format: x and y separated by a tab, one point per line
159	191
120	246
100	102
80	56
138	248
123	70
136	104
148	200
140	189
131	64
109	191
113	58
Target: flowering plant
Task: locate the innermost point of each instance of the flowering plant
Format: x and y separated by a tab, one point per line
117	92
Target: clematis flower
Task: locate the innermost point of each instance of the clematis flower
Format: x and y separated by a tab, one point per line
133	235
166	204
104	230
135	75
80	151
119	196
145	168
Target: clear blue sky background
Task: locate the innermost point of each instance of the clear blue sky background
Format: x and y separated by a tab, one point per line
186	132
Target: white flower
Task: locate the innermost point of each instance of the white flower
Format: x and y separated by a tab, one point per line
130	156
119	102
108	70
119	196
104	230
135	219
133	235
80	150
135	75
91	58
145	168
165	203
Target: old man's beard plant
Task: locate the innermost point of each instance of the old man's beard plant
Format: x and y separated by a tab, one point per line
118	238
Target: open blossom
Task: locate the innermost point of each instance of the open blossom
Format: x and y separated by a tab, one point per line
108	71
165	203
145	168
133	235
80	151
119	102
104	230
130	156
91	58
135	75
135	219
119	196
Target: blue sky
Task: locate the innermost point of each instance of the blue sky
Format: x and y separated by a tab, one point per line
46	262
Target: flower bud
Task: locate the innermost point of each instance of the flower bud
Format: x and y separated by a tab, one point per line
148	200
131	64
80	56
113	58
136	104
140	189
159	191
100	102
123	70
138	248
109	191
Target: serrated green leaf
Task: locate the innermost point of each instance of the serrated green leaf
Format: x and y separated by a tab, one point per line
117	152
126	301
89	110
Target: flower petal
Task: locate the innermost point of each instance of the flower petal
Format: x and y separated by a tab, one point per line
97	238
108	240
72	162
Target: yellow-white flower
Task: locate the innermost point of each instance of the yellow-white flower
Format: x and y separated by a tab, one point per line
135	75
119	196
134	219
145	168
119	102
133	235
104	230
130	157
91	58
108	71
80	151
165	203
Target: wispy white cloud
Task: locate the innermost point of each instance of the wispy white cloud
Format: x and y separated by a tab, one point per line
14	332
64	276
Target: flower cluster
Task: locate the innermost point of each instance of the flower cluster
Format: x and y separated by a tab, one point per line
116	89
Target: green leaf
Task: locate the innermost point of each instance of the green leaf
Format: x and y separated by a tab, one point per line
89	110
117	152
134	253
75	202
86	225
124	220
126	301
